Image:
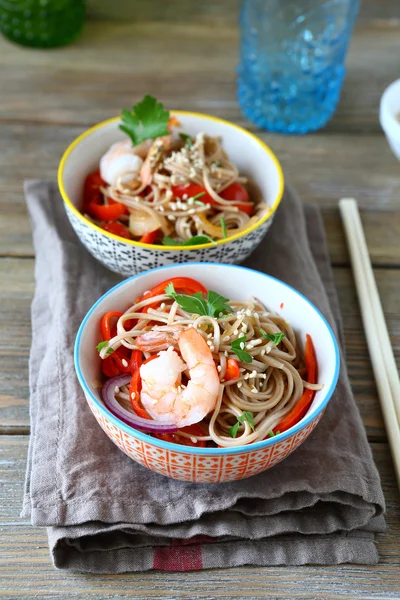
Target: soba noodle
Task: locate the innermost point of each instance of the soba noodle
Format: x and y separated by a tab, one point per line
204	163
268	387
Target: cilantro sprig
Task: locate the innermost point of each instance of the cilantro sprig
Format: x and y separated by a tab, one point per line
102	345
272	434
276	338
247	417
196	240
212	306
223	227
238	346
187	139
147	120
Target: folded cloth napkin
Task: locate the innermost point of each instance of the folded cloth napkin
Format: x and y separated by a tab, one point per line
106	514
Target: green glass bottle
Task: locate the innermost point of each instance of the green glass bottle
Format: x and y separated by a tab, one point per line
42	23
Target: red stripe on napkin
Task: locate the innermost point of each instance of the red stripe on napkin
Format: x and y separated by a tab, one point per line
181	555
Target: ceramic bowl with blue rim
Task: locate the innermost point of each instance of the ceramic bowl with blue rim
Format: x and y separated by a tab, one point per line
251	155
209	465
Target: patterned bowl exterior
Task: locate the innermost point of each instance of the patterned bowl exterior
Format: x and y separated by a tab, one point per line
127	260
195	467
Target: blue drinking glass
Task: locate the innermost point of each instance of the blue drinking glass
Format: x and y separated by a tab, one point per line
292	61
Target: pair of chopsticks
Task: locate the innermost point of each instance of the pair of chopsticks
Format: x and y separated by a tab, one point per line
380	348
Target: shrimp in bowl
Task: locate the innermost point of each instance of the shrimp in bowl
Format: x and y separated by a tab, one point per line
192	367
163	395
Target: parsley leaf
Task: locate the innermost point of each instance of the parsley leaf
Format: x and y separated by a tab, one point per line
223	227
147	120
191	304
102	345
196	240
242	355
217	304
234	429
248	417
187	139
273	337
211	306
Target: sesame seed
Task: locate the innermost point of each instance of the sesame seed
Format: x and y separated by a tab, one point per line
263	352
226	338
191	211
209	342
219	368
255	315
254	390
249	346
171	218
162	306
212	347
244	327
248	312
209	335
116	389
184	197
161	208
226	353
191	201
242	345
247	376
236	332
254	373
240	383
124	362
133	395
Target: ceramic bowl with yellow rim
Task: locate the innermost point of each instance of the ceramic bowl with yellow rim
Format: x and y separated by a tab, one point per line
253	158
190	463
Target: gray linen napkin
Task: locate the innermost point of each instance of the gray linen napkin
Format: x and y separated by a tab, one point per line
107	514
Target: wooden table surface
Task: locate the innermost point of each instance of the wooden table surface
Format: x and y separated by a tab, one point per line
186	53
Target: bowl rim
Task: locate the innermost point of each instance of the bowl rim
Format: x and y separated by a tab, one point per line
271	210
191	449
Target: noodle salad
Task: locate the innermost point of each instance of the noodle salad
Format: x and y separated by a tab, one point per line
164	186
188	366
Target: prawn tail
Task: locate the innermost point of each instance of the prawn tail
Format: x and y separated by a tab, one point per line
155	341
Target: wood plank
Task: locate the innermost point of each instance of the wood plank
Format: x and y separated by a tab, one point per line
321	168
16	289
189	63
223	11
26	570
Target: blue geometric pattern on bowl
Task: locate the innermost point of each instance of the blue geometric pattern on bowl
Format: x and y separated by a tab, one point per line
128	260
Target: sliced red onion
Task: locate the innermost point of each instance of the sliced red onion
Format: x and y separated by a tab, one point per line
146	425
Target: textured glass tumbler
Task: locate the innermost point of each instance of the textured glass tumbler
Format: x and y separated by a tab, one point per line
292	61
42	23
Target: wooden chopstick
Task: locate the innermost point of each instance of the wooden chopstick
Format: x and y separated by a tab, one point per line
380	349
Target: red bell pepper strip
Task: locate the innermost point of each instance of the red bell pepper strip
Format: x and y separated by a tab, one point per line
149	237
238	194
91	189
117	229
232	369
113	364
136	384
304	403
235	192
181	284
184	441
105	323
112	212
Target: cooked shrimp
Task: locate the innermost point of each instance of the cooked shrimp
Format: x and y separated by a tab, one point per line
163	395
121	159
154	157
